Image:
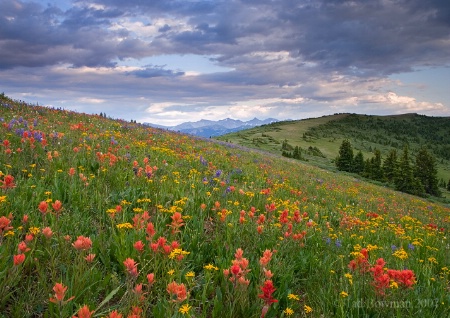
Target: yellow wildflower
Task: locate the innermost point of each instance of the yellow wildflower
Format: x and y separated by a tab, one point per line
124	226
288	311
210	267
307	309
371	247
190	274
184	309
349	277
177	251
34	230
401	253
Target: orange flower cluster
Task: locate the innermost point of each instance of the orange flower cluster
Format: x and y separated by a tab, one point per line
238	269
177	292
177	222
8	182
265	259
43	207
5	225
361	261
60	293
382	278
268	289
84	312
82	243
131	267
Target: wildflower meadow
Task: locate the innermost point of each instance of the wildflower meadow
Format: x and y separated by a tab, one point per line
109	218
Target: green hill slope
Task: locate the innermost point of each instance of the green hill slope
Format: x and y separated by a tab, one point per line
109	218
320	138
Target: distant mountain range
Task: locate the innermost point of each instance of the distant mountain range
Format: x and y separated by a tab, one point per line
213	128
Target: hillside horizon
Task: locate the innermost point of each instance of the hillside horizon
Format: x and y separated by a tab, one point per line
319	138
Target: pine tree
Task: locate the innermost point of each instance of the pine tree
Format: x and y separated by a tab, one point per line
425	170
367	173
404	180
390	166
358	163
344	161
377	173
296	154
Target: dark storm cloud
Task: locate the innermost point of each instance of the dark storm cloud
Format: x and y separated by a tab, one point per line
369	36
363	38
316	52
174	7
32	35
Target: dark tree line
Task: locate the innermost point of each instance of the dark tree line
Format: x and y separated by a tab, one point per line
417	176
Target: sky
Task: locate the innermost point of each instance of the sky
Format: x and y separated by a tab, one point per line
172	61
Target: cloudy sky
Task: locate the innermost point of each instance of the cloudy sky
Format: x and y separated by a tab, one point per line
171	61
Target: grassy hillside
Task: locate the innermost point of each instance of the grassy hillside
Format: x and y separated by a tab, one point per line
366	133
107	218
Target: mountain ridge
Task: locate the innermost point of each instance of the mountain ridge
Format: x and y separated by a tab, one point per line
214	128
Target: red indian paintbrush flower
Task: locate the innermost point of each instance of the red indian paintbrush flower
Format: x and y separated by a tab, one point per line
47	232
265	259
43	206
60	293
57	205
177	291
8	182
139	246
90	258
22	247
84	312
268	289
82	243
131	267
150	278
114	314
18	259
5	224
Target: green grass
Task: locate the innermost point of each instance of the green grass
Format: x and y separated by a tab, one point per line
366	133
138	201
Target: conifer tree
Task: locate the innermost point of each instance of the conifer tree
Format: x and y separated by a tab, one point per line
390	166
296	154
425	170
344	161
377	173
367	169
404	180
358	163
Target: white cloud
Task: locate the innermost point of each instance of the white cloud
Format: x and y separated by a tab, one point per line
87	100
